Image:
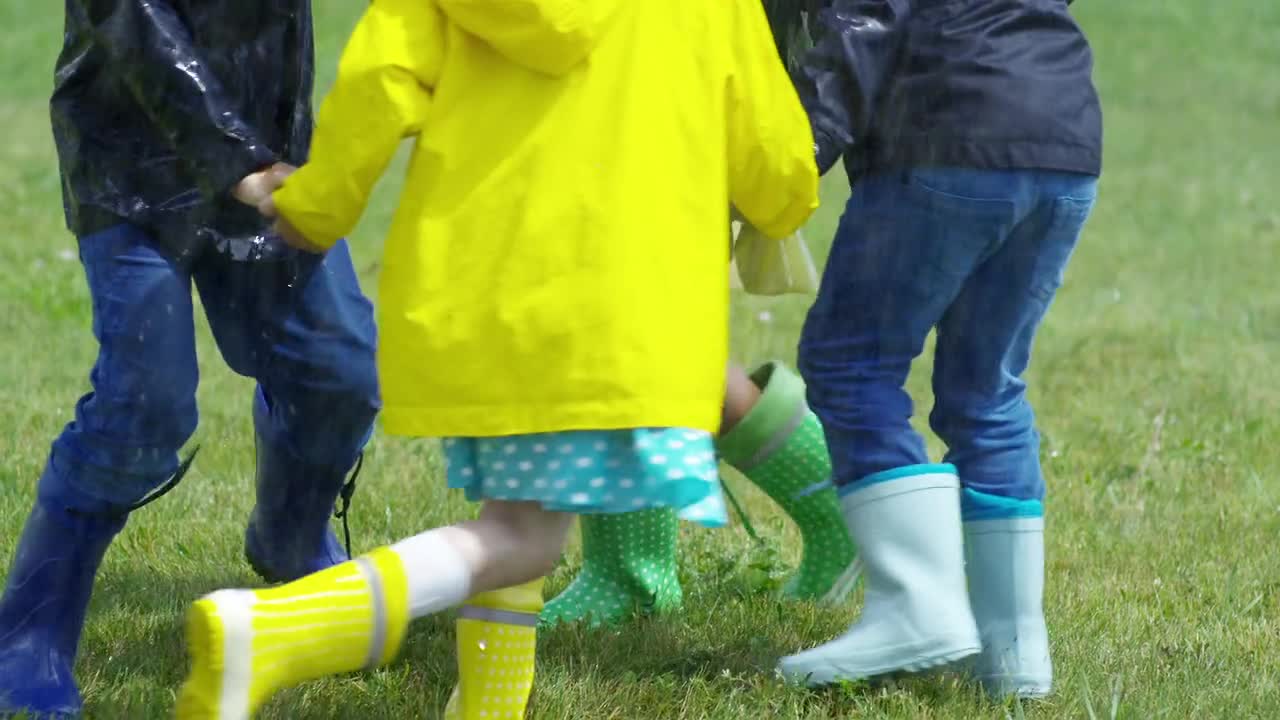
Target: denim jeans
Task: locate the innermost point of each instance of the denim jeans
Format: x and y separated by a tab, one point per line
300	327
976	254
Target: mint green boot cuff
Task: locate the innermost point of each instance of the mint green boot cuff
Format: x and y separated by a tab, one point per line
780	410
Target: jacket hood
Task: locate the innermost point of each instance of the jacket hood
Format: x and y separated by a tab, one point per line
549	36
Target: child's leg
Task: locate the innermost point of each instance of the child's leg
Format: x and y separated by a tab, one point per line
740	396
247	644
777	443
497	636
628	566
122	445
509	544
982	413
901	256
306	333
629	561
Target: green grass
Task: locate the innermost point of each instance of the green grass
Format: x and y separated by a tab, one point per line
1155	378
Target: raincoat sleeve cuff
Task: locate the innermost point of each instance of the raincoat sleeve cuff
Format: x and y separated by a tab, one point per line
311	201
773	179
826	151
791	215
381	95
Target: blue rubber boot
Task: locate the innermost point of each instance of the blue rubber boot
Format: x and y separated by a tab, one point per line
289	535
43	608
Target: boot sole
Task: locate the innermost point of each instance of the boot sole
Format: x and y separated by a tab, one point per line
259	568
253	554
630	608
202	632
10	710
209	689
262	570
919	662
597	621
999	687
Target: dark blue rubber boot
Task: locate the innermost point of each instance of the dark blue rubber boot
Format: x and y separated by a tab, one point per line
42	612
289	534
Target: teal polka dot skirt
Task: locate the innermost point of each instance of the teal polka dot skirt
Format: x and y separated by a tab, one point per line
594	471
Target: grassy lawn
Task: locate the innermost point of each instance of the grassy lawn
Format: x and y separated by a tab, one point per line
1155	378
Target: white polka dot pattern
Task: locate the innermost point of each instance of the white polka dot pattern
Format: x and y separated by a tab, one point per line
594	471
496	666
629	566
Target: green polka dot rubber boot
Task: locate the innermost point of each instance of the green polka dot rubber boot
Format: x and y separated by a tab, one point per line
628	568
780	447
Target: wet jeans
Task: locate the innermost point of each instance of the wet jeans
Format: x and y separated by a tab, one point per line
976	254
300	327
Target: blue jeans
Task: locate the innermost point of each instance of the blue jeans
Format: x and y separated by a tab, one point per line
978	255
300	327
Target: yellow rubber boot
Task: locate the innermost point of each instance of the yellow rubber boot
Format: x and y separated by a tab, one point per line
497	641
246	645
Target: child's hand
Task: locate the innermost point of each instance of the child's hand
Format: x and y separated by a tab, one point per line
266	204
258	187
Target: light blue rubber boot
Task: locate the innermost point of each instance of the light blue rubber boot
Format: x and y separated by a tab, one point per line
1004	545
916	616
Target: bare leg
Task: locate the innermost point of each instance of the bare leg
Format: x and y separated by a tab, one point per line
510	543
741	394
629	561
247	644
771	437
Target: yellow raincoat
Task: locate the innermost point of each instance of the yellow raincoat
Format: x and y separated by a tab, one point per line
558	260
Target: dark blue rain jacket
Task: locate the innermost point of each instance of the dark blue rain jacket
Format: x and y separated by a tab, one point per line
989	84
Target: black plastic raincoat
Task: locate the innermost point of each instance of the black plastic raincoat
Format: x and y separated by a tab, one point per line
991	84
161	106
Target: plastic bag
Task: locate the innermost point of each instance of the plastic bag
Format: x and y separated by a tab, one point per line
763	266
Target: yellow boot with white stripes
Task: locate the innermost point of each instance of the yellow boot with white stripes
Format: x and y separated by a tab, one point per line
246	645
497	642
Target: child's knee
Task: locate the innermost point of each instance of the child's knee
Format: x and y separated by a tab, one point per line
961	418
544	541
328	422
861	400
88	475
136	413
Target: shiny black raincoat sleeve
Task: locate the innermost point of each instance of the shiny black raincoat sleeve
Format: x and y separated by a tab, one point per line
840	79
148	45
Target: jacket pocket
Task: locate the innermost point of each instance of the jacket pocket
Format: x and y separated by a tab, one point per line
962	190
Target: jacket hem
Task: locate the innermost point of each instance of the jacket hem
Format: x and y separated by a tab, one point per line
485	421
916	152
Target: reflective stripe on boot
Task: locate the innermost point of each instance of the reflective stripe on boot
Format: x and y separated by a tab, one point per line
246	645
497	647
916	615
